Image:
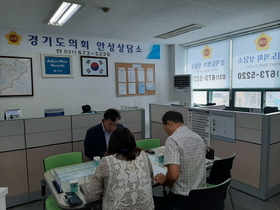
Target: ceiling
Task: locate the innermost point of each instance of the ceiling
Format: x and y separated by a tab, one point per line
141	20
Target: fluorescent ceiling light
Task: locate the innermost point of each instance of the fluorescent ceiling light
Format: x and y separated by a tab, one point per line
236	33
180	31
64	13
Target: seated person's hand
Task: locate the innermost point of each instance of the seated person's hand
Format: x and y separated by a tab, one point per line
160	178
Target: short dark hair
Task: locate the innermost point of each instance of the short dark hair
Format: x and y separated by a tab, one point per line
173	116
112	114
122	143
86	108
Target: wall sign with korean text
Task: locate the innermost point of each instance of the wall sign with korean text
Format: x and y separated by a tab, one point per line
56	66
94	66
256	60
210	65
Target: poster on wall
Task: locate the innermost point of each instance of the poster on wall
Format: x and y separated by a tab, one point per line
256	60
209	65
16	76
56	66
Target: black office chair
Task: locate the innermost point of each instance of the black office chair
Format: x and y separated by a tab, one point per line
220	172
210	198
270	109
210	104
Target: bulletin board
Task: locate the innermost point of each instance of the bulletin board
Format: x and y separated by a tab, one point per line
135	79
223	126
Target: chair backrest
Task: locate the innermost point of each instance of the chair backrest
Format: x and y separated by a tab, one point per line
62	160
220	170
148	143
270	109
210	198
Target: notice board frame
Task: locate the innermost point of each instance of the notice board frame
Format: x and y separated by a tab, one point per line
144	82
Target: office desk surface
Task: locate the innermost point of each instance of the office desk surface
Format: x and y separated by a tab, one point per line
65	186
84	172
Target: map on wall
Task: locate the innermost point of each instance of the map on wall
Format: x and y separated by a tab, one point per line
16	76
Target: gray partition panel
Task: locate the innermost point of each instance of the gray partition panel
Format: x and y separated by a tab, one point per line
130	116
79	147
38	125
48	138
35	158
246	166
275	128
249	135
11	128
158	132
12	143
134	127
137	136
157	111
13	173
246	120
79	133
274	165
86	120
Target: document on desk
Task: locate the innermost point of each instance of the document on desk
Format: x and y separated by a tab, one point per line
158	169
73	172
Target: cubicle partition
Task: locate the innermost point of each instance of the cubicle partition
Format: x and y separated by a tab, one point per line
256	142
13	165
156	126
274	155
24	143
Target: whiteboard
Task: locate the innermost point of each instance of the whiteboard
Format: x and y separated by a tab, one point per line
223	125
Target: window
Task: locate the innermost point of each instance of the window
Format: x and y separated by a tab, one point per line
220	98
247	99
200	97
272	98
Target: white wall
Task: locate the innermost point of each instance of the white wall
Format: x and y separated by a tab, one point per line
72	93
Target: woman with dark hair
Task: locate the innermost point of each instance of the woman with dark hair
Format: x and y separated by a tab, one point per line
124	176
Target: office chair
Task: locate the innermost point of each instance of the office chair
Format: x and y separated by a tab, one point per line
54	162
220	171
270	109
148	143
209	198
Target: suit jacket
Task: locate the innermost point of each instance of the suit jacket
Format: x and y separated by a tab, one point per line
95	142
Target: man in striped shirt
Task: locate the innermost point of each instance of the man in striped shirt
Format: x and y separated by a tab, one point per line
184	158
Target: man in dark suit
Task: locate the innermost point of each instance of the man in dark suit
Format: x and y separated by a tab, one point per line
98	136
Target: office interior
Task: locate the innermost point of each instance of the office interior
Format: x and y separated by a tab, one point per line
131	24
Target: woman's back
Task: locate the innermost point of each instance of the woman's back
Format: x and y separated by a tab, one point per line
127	184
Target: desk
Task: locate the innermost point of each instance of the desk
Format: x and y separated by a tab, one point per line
84	172
49	177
